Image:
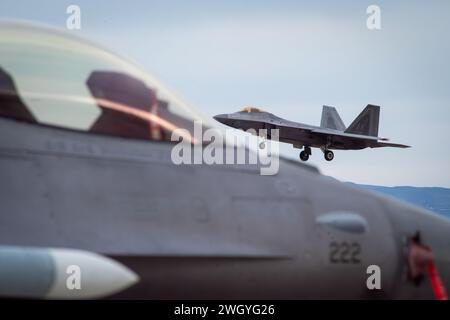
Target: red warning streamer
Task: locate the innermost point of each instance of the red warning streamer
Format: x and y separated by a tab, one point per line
436	282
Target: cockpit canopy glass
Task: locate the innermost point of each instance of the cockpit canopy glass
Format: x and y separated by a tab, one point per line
251	109
50	77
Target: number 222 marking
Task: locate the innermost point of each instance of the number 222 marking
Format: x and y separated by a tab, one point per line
344	252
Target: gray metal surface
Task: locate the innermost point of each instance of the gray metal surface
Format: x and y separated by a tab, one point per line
198	231
331	119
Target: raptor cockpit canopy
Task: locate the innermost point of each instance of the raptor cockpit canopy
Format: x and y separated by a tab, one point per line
251	110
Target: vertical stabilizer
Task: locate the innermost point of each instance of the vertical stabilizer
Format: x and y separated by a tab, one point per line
331	120
366	123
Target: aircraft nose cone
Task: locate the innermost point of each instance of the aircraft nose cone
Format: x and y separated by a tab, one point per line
221	118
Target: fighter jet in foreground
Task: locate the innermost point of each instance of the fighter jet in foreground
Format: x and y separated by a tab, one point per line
332	133
85	164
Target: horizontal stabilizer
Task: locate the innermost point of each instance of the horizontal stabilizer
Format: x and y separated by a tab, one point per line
331	120
366	123
387	144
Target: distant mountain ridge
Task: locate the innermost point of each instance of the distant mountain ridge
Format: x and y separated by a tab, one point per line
431	198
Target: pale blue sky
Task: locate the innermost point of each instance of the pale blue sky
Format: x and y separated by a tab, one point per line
290	58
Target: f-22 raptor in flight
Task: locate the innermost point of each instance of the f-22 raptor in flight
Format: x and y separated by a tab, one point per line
332	133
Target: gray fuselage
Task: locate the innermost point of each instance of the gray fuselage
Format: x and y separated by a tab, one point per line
199	231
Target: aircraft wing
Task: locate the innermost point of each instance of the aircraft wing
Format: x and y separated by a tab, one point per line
330	132
374	141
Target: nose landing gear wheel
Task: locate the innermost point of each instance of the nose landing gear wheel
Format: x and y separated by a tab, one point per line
328	155
304	156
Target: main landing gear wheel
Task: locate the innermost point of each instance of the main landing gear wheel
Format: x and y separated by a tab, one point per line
304	156
328	155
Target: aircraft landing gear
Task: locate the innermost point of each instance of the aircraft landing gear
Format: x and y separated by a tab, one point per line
262	144
328	155
304	155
